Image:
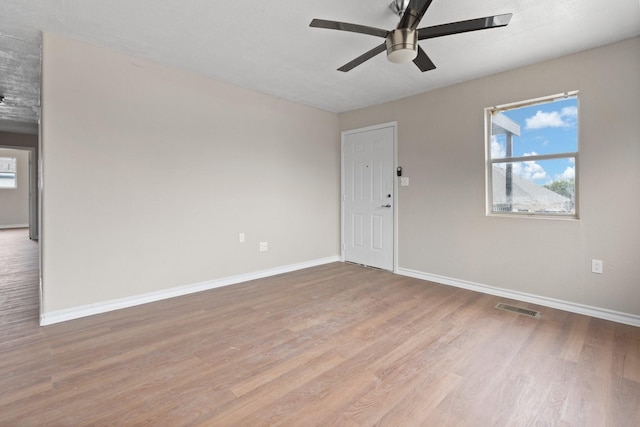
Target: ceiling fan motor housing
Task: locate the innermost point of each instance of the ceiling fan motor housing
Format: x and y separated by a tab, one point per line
402	45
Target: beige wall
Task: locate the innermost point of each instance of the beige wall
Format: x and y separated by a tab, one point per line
14	202
150	173
443	229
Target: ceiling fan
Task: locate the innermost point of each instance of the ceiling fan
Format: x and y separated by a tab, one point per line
401	43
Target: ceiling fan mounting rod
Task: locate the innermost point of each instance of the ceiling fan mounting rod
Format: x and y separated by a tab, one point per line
399	6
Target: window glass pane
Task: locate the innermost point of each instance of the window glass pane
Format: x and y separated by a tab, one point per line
7	172
540	129
498	146
544	186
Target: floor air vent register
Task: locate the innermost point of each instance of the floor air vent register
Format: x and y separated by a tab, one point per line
518	310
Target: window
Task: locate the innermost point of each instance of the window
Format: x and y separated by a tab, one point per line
8	172
532	157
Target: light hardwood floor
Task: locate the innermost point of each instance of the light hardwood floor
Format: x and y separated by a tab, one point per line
336	345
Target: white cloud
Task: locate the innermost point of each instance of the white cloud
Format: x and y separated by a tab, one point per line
498	150
552	119
569	173
569	112
545	120
530	170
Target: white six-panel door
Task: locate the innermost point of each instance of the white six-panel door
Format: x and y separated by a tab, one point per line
368	196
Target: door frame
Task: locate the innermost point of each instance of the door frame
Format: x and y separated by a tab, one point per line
344	134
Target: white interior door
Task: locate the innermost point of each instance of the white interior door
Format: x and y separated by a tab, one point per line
368	196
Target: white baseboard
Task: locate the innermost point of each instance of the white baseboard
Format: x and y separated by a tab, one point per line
601	313
103	307
7	226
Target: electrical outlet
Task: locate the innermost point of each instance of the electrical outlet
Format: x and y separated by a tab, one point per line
264	246
241	238
597	266
404	181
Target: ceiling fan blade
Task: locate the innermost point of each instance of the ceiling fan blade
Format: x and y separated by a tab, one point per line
345	26
464	26
364	57
421	6
414	13
423	61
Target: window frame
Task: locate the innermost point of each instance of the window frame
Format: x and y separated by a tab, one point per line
490	162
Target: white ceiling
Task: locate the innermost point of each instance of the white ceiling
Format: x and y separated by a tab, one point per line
268	46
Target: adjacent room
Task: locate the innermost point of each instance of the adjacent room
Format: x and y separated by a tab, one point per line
375	212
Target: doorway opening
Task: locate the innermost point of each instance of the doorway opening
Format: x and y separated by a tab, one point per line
19	233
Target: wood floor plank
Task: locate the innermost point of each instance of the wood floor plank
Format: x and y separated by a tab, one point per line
333	345
629	352
544	385
576	334
593	380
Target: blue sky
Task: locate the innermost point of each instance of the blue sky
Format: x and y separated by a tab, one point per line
544	129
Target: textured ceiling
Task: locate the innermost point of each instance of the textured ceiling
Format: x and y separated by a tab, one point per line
268	46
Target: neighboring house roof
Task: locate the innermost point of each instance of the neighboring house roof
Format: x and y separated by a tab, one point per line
526	194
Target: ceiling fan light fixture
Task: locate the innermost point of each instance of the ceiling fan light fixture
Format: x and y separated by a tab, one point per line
402	55
402	45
